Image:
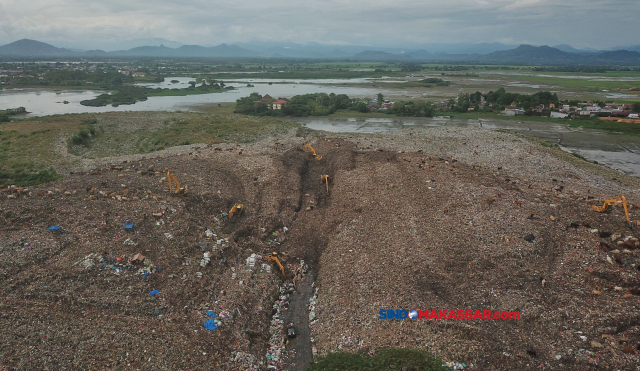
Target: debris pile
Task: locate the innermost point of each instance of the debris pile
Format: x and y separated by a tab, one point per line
408	224
276	333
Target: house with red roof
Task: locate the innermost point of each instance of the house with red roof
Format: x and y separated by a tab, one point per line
266	99
278	104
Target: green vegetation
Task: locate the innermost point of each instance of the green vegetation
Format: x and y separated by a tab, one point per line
84	136
322	104
23	178
210	129
132	94
502	98
319	104
30	151
125	95
411	109
436	81
21	163
612	126
400	359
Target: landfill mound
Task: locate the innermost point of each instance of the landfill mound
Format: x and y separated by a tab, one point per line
106	269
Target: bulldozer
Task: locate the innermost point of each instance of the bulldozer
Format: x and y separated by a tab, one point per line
274	256
236	209
608	203
172	179
314	152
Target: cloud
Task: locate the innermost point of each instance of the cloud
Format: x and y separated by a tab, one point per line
400	22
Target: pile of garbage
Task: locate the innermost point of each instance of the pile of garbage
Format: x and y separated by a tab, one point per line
247	360
455	365
276	340
312	316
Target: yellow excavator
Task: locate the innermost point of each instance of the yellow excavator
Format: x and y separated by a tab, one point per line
172	179
236	209
274	256
314	152
326	179
608	203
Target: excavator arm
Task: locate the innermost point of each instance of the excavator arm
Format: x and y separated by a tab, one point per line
605	206
273	256
326	179
172	179
236	209
314	152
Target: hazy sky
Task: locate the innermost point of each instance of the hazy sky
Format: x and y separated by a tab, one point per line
108	24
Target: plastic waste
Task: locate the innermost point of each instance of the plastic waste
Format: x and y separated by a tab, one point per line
154	292
210	325
211	314
54	227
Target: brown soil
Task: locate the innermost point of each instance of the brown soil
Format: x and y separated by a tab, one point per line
407	224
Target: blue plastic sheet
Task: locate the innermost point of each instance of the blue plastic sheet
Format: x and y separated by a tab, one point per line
128	225
154	292
54	227
211	314
210	325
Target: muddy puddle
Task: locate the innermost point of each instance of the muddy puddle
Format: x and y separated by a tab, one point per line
617	151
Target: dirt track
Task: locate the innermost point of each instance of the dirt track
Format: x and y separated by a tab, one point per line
407	224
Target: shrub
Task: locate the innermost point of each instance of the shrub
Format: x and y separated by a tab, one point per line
388	359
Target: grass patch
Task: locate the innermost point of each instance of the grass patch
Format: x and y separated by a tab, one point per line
85	135
389	359
613	126
215	128
22	178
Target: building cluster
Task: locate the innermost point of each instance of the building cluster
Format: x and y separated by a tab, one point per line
586	109
271	102
384	105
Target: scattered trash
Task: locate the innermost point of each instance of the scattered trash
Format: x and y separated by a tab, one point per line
128	225
210	325
205	260
251	260
169	236
137	259
129	242
454	365
54	227
154	292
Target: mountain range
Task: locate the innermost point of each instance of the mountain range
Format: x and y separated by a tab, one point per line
480	53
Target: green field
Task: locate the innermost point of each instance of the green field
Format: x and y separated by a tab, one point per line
46	144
